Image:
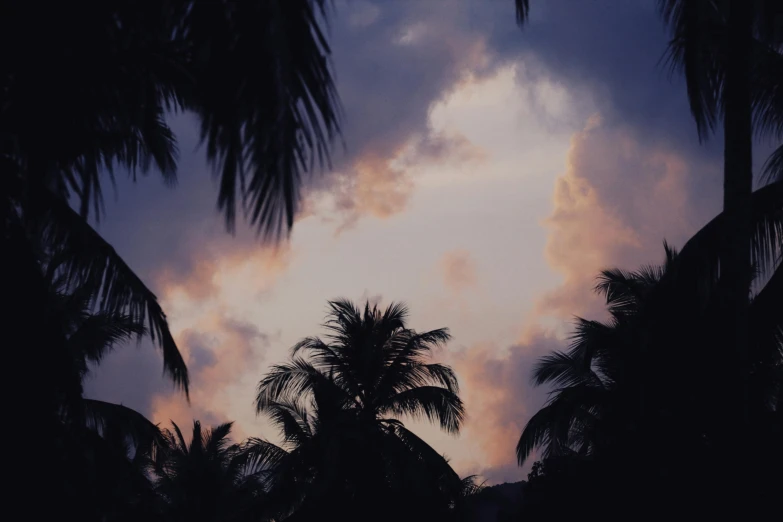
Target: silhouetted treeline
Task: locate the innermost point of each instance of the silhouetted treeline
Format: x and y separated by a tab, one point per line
671	407
674	405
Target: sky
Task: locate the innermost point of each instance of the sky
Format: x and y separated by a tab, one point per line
488	174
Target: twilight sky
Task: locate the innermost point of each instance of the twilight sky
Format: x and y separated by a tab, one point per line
488	174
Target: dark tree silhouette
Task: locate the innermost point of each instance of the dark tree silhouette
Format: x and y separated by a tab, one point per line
640	397
87	94
208	478
338	403
730	54
98	453
255	73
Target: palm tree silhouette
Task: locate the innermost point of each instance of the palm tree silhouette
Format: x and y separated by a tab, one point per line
688	282
639	396
207	479
90	95
98	453
337	403
256	74
730	55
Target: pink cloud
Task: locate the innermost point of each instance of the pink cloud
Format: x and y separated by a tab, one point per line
372	187
458	269
217	352
613	206
219	258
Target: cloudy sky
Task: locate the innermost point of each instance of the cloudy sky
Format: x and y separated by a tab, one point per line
488	174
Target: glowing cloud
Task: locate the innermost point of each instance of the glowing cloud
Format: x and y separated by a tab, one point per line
613	206
459	270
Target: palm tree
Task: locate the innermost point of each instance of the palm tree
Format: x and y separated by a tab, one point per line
643	304
207	479
377	364
97	453
345	451
729	52
638	396
256	74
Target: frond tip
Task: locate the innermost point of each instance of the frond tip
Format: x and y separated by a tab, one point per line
522	11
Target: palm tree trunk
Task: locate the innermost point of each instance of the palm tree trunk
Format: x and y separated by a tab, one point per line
736	272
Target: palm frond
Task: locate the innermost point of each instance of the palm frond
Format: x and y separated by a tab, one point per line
701	254
216	440
552	427
404	363
522	11
422	451
261	456
622	290
436	404
694	27
562	370
196	439
773	167
104	417
592	342
287	383
292	420
471	486
266	125
89	260
99	333
416	374
178	442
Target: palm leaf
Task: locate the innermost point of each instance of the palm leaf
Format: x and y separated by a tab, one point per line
217	440
436	404
89	260
292	420
261	456
702	252
522	11
99	333
773	167
265	125
288	383
562	370
695	28
105	416
551	427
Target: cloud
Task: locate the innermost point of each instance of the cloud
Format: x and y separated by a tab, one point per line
216	265
459	271
394	60
372	187
372	299
499	399
612	207
203	290
633	178
218	351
